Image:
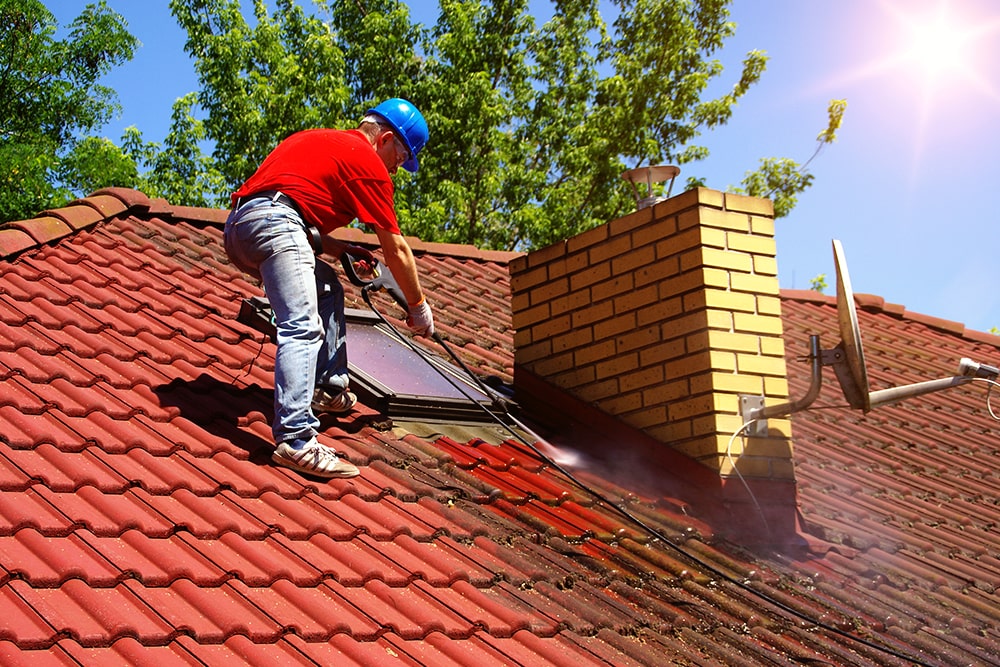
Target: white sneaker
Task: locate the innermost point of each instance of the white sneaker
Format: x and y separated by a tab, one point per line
340	403
313	459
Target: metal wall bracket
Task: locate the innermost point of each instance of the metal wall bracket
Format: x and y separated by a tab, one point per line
750	406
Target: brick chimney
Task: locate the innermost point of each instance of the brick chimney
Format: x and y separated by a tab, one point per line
662	319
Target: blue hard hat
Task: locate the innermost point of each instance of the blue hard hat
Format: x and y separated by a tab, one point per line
408	123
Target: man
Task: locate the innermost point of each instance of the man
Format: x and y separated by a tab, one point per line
323	179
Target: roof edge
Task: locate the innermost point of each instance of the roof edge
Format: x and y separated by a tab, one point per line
52	225
876	304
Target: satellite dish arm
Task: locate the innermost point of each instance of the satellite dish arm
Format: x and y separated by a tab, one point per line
894	394
969	369
794	406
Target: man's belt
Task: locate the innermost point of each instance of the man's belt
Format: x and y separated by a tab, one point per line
279	197
276	196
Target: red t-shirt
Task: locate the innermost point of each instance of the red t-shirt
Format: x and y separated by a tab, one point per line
334	177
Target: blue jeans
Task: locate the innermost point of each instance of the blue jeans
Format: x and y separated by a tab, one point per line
268	240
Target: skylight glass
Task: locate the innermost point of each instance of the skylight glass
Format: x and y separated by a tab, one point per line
390	375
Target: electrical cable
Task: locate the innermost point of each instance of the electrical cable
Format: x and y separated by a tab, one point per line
739	475
627	515
990	384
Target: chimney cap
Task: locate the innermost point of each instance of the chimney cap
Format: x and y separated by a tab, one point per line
652	174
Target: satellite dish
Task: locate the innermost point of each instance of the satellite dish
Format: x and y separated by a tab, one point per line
855	381
848	361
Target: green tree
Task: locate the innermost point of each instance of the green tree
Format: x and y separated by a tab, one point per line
50	101
531	123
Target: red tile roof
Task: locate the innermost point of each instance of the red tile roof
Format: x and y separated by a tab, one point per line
141	519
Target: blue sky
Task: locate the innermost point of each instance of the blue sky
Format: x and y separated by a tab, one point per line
910	186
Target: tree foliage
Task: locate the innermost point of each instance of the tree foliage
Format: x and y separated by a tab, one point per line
533	116
50	103
532	122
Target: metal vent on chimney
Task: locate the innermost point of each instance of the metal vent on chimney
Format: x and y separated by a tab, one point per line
650	175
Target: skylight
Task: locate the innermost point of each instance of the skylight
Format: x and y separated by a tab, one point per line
390	376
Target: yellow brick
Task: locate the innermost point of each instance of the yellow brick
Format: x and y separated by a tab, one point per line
736	342
553	365
715	278
765	266
656	273
528	354
720	259
722	361
762	226
590	354
774	347
662	351
752	364
680	242
748	282
549	291
725	300
705	425
748	467
686	409
574	263
745	204
636	299
728	382
763	324
526	318
715	238
755	245
597	312
640	337
769	447
642	378
705	447
710	197
729	424
659	312
651	234
571	340
682	283
779	428
613	247
670	432
544	255
550	327
712	217
678	327
587	239
616	366
571	302
586	278
769	305
774	386
633	260
614	327
572	379
599	391
666	393
722	319
627	223
641	418
521	282
691	364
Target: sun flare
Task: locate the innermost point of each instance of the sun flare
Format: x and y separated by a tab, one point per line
936	47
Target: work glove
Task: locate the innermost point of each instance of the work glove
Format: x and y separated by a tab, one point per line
420	320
